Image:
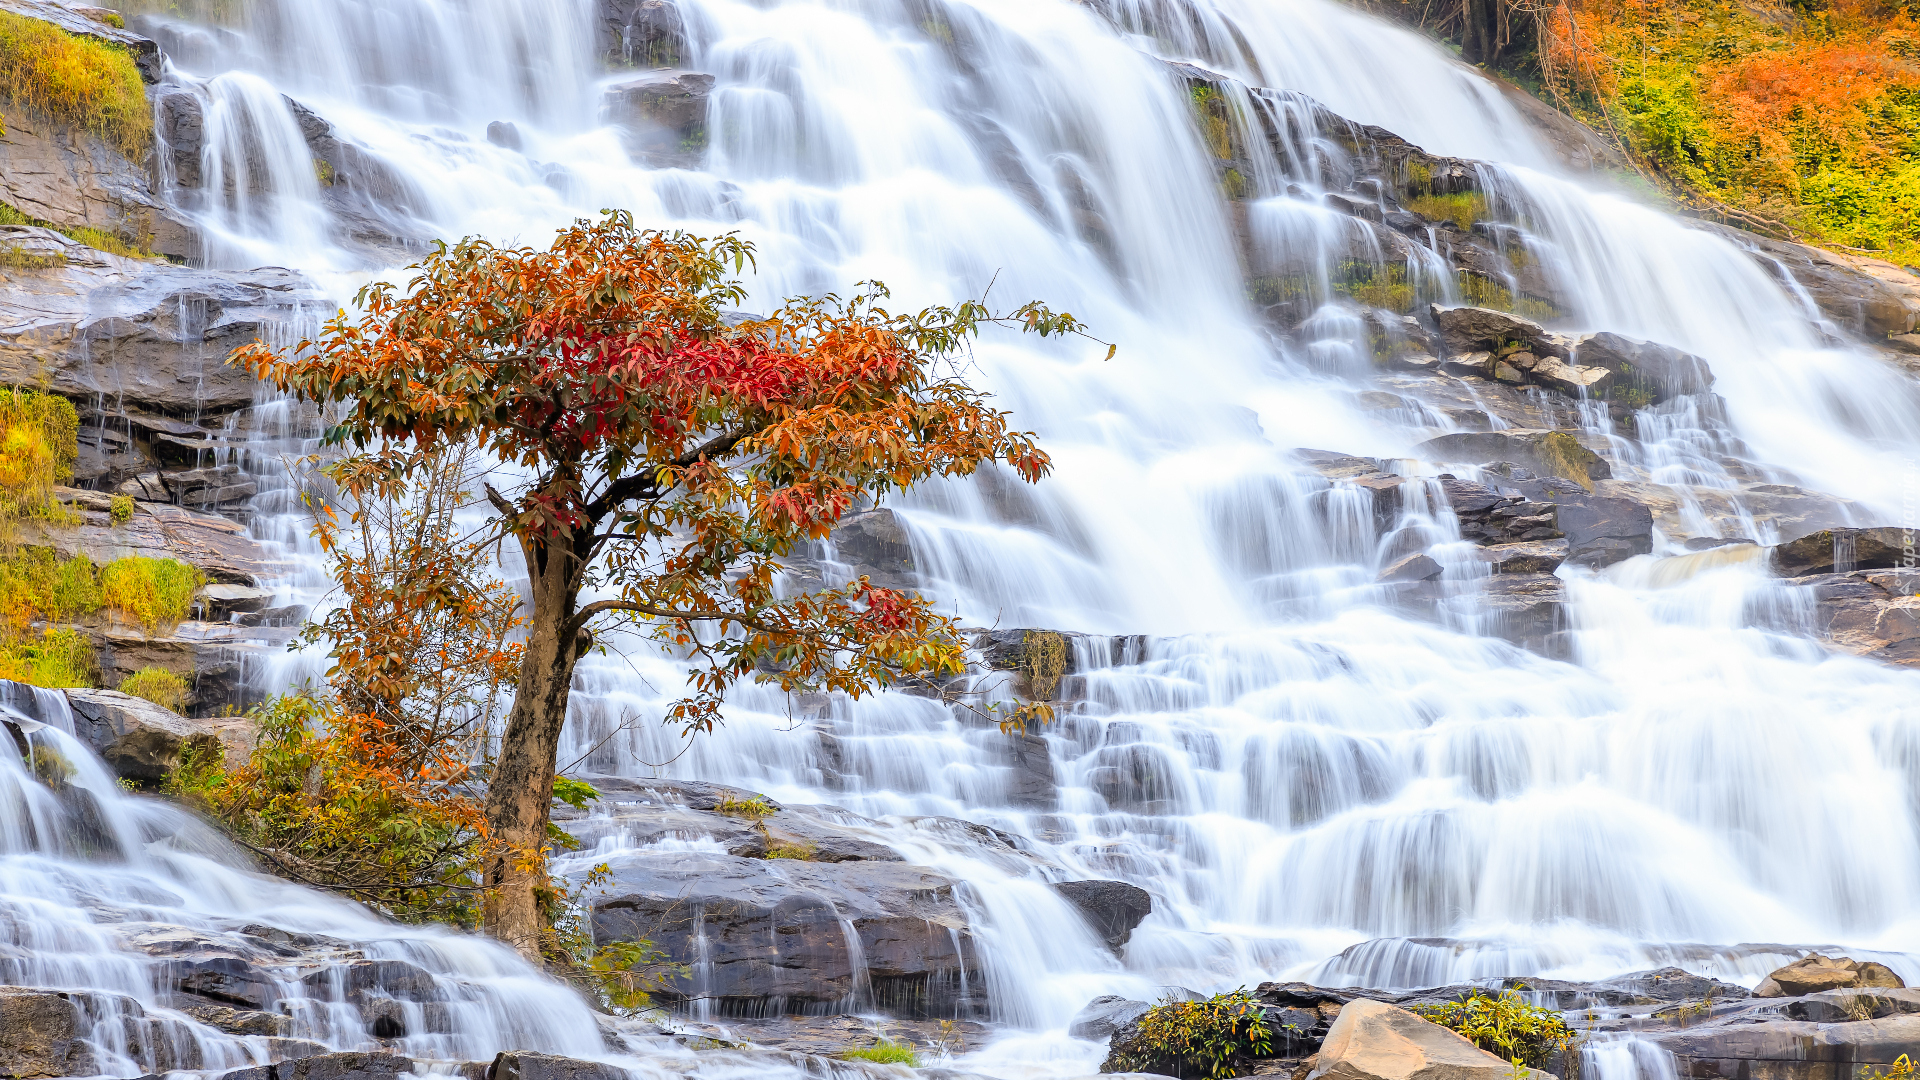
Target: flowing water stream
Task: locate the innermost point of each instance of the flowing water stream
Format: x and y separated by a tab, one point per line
1310	784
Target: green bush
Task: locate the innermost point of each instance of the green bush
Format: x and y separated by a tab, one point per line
1194	1040
153	592
158	685
1506	1026
121	509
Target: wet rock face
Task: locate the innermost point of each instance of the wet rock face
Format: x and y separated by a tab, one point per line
766	935
663	116
640	33
41	1035
1544	453
338	1066
1495	345
1842	550
115	334
803	913
522	1065
143	742
1111	908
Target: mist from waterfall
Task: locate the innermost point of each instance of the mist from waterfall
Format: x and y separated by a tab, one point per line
1312	784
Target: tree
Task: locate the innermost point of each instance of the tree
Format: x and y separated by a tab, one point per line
671	455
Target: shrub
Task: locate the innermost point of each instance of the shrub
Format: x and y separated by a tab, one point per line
39	440
1194	1040
158	685
55	659
321	801
74	80
1507	1026
886	1052
121	509
153	592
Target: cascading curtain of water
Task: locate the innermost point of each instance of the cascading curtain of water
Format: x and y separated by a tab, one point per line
1311	784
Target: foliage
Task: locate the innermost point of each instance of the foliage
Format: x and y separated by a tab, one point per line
422	642
323	800
753	807
55	658
153	592
158	685
1462	208
673	459
1507	1026
1195	1040
1800	122
800	852
1903	1068
886	1052
75	80
575	793
368	788
36	584
39	441
120	509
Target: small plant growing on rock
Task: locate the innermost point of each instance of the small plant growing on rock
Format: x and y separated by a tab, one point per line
158	685
802	852
153	592
753	808
1507	1026
120	509
1194	1040
885	1052
1903	1068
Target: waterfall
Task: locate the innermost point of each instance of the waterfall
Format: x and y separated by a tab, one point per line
1312	783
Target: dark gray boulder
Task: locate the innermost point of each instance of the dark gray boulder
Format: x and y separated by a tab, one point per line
1658	372
143	742
640	33
662	115
1541	451
352	1065
1825	551
784	932
1111	908
1104	1015
525	1065
1602	531
101	329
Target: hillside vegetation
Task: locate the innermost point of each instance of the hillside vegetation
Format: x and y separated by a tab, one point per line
1800	120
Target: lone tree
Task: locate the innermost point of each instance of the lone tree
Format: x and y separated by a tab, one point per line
671	455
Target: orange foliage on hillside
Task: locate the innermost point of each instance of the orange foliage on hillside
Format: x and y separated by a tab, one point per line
1807	115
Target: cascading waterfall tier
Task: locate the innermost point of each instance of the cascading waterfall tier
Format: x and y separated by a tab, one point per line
1311	780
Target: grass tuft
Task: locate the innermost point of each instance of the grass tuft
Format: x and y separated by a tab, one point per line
884	1052
158	685
74	80
153	592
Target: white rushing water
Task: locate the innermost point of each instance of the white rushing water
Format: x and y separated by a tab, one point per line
1311	784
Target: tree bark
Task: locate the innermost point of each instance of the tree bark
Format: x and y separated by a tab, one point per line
520	794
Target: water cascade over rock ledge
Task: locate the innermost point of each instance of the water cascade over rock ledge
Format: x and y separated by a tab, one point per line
1577	651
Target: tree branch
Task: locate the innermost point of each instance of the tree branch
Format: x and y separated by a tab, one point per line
641	485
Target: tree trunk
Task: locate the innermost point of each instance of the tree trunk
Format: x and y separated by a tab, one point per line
520	794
